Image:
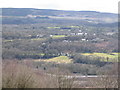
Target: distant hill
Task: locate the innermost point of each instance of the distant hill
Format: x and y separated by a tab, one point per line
50	12
90	16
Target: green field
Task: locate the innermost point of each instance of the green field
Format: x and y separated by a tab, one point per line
40	54
73	26
52	27
104	56
7	40
33	39
58	36
110	57
41	39
60	59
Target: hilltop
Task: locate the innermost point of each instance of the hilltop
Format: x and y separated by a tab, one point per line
22	15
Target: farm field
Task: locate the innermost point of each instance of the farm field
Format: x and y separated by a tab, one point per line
58	36
60	59
52	27
41	39
104	56
107	57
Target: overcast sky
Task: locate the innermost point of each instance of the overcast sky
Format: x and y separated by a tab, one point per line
78	5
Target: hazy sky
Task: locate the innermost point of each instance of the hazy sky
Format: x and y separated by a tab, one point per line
92	5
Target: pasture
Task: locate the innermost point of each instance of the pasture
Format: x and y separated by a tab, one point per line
60	59
58	36
104	56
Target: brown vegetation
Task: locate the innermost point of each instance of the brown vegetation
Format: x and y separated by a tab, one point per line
18	75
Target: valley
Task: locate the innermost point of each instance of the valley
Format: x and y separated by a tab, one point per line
60	43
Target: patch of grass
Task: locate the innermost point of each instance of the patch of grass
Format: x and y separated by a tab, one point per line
58	36
73	26
41	39
53	27
7	40
34	39
42	54
60	59
103	56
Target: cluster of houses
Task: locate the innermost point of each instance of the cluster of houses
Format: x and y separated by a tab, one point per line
79	33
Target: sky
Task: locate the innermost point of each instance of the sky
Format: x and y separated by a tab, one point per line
77	5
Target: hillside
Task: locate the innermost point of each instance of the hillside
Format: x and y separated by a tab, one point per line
22	15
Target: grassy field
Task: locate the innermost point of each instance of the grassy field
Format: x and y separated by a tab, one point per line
33	39
104	56
59	27
110	57
73	26
7	40
60	59
41	54
58	36
52	27
41	39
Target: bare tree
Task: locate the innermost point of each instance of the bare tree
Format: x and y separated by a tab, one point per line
62	78
108	80
17	76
